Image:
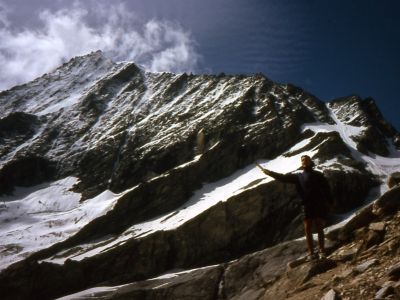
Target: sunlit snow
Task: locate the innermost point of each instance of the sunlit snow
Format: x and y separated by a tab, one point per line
378	165
35	218
68	101
202	200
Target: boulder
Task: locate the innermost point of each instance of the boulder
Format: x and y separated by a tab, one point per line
396	288
378	226
361	268
331	295
253	272
389	202
394	271
384	292
306	271
344	254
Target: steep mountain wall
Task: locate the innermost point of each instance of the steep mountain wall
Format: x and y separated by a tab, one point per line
170	160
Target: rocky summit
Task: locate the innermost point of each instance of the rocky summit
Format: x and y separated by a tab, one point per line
118	183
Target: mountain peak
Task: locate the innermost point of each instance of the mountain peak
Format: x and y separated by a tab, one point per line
56	89
107	163
94	57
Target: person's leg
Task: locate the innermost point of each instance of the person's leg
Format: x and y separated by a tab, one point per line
320	223
309	238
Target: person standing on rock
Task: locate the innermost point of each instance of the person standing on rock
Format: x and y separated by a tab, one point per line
314	191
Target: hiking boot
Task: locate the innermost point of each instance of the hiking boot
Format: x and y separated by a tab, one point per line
312	257
322	255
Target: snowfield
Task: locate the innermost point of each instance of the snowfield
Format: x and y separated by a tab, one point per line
37	217
224	189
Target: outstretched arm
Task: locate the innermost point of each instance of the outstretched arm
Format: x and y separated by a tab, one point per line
291	178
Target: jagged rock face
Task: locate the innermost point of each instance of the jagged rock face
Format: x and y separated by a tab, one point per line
355	111
15	130
166	142
120	124
129	125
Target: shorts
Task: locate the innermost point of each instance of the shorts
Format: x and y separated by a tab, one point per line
315	211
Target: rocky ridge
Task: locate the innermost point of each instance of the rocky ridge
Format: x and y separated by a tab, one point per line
168	159
363	263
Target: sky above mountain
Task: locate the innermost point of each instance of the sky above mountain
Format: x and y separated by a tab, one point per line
329	48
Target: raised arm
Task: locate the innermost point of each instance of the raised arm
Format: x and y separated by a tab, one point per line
290	178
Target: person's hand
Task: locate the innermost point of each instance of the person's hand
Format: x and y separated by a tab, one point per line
265	171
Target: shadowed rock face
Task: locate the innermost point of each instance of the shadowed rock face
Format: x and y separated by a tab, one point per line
117	131
373	141
26	171
265	274
15	130
18	123
364	112
253	220
117	127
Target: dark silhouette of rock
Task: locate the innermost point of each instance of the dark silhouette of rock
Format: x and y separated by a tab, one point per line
394	271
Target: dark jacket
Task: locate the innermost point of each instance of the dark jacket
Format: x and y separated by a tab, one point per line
311	185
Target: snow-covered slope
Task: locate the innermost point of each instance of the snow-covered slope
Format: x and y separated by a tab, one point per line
34	218
59	89
378	165
103	162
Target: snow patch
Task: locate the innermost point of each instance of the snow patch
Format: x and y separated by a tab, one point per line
69	101
38	217
377	165
91	293
98	291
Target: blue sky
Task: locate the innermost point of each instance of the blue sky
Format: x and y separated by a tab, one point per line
329	48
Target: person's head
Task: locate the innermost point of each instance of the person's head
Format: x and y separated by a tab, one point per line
394	180
391	182
306	162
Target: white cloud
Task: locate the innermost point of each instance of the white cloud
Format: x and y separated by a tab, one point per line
28	53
